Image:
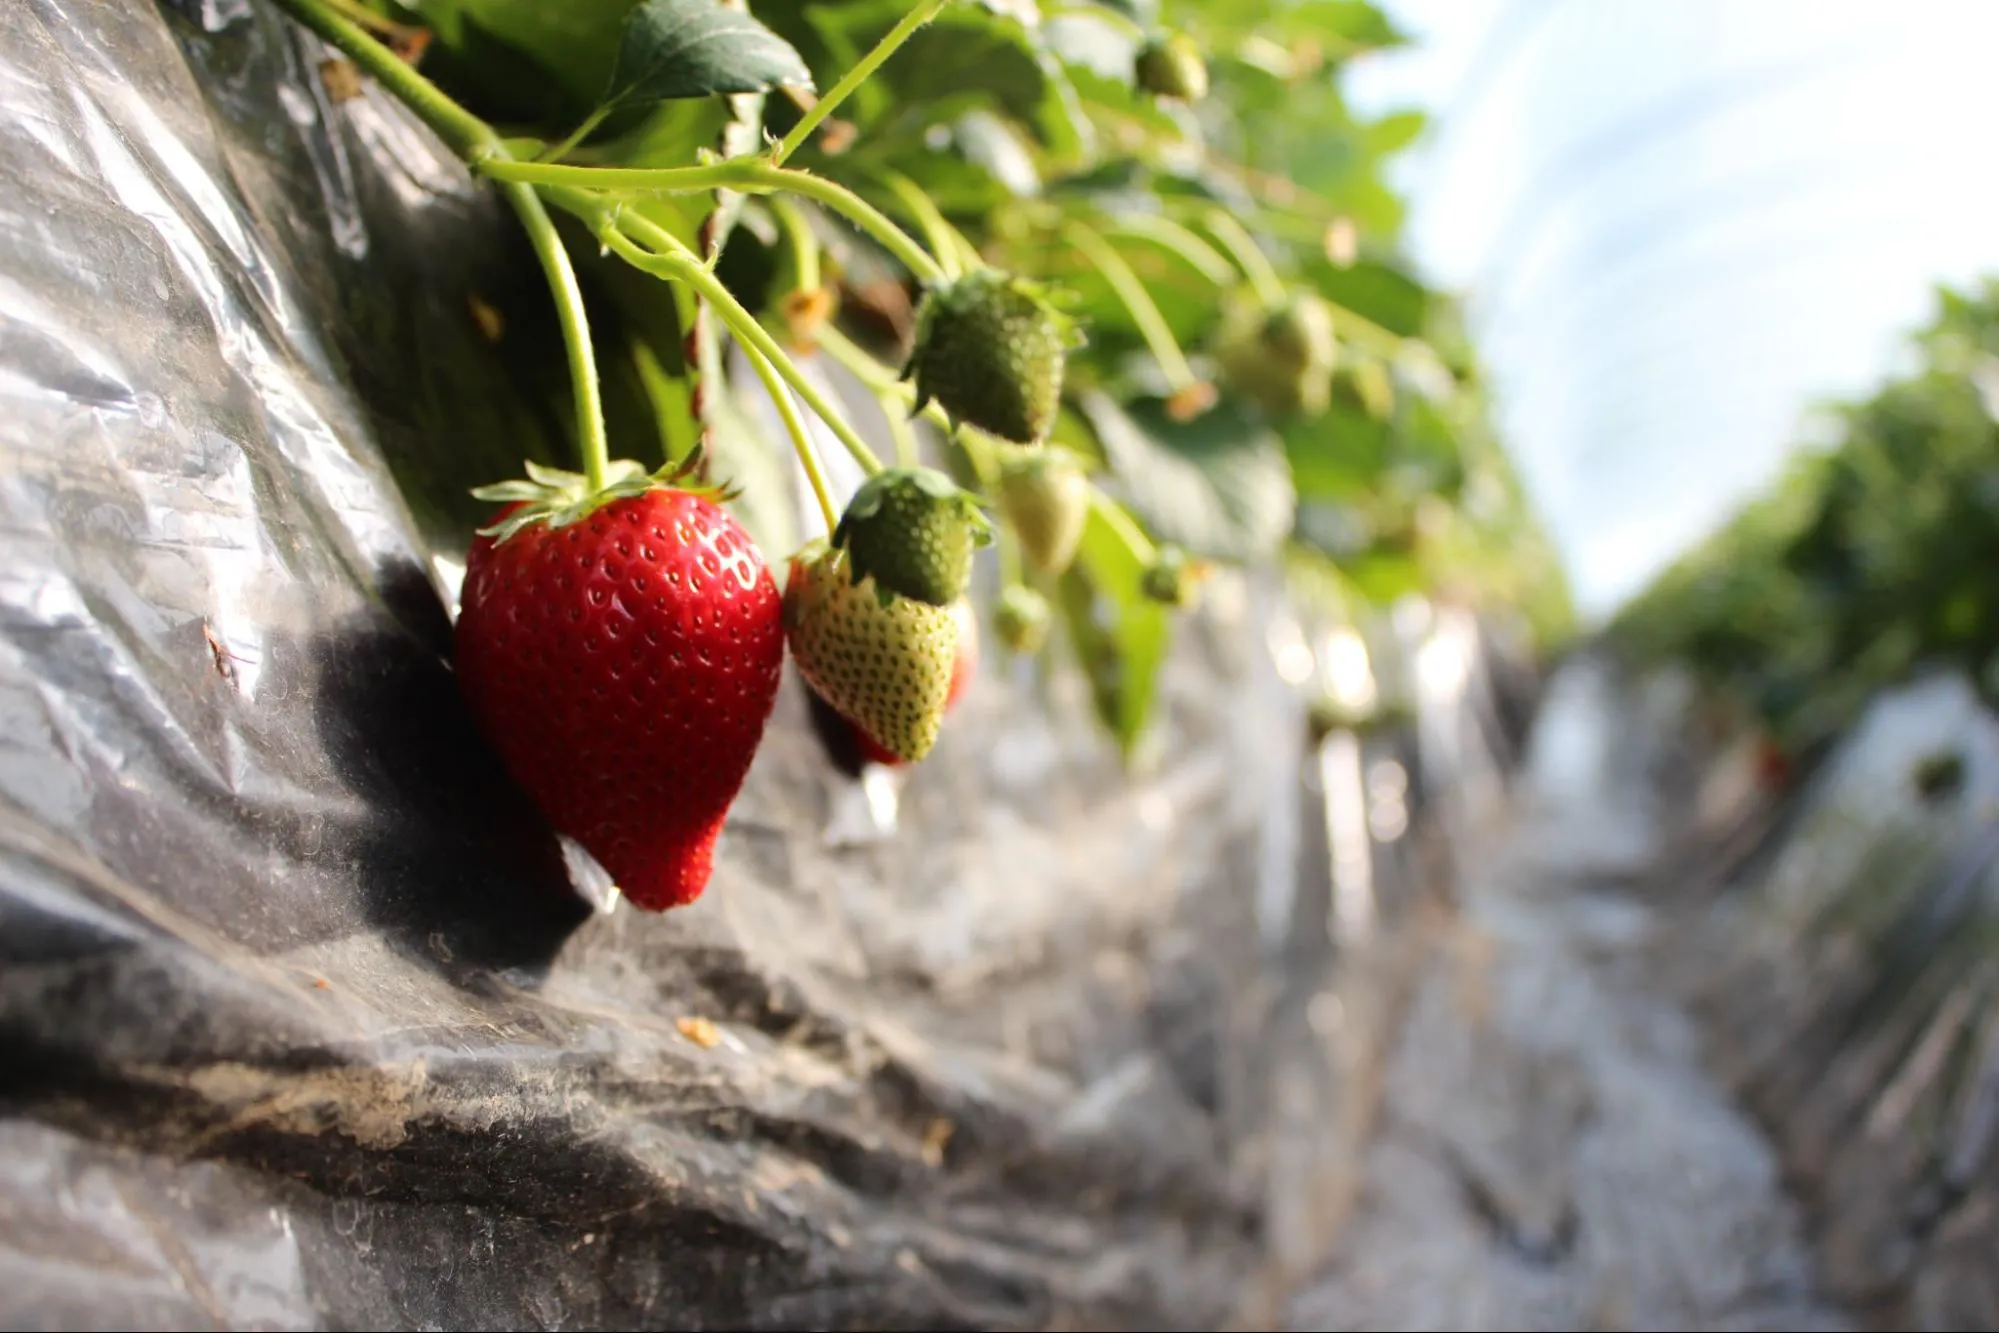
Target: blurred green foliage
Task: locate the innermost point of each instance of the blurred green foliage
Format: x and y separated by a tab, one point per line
1020	121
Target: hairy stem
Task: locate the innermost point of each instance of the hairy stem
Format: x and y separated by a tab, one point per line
746	175
919	15
591	441
953	250
878	378
469	136
1249	257
670	258
556	152
1144	311
794	426
475	140
800	242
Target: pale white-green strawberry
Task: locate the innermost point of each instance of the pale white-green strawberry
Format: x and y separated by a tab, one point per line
1046	499
884	662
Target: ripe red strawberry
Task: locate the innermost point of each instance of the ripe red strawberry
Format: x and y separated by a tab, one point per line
961	679
621	652
882	660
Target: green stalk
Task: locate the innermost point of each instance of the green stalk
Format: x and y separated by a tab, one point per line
921	14
576	136
1144	311
746	175
877	377
800	241
469	136
1249	257
1164	231
475	140
794	426
591	441
950	244
859	211
670	258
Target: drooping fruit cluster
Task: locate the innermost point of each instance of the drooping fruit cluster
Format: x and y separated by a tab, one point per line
621	652
990	350
1280	358
1172	66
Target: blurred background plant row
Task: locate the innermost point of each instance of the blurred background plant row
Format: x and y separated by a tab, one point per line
1871	558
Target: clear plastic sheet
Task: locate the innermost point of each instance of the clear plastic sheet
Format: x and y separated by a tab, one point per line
302	1022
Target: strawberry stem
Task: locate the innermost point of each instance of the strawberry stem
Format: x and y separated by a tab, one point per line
556	152
953	250
1181	240
476	141
591	441
799	240
794	426
918	15
670	258
1103	256
893	395
469	136
1249	257
752	174
876	376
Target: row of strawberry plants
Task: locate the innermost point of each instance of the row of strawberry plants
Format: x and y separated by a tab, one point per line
1870	558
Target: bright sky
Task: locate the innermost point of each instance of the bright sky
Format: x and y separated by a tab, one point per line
1681	223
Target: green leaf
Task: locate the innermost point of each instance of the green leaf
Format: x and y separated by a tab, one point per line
1337	455
1396	131
1120	636
697	48
1217	485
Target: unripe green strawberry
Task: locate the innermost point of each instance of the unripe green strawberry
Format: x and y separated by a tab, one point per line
1300	332
1281	360
883	663
1046	499
1021	619
1172	578
912	530
1172	66
990	348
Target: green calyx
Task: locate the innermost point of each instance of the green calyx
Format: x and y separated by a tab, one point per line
913	530
1021	619
990	349
1172	66
558	498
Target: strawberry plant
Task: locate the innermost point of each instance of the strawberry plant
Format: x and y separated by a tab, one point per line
1127	295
